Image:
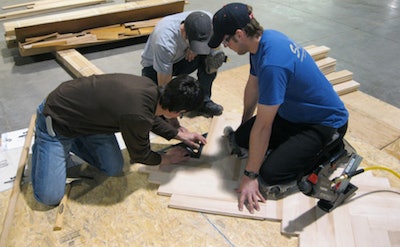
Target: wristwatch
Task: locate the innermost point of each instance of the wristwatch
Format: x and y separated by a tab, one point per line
251	175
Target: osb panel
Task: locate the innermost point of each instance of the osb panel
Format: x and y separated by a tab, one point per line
126	211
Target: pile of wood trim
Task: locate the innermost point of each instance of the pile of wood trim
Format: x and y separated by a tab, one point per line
75	21
55	41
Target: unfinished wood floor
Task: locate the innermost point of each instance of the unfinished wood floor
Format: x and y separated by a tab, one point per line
127	210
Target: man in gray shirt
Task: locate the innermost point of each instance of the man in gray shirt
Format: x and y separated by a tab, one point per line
178	45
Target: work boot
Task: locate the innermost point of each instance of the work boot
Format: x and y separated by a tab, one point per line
210	109
278	191
233	147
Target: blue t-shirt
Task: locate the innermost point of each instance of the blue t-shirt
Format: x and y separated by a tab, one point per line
288	76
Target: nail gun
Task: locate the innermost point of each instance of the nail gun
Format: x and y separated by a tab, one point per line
332	192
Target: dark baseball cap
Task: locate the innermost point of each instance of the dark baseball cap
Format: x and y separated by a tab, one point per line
198	28
227	20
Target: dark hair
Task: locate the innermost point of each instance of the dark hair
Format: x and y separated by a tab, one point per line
183	93
253	28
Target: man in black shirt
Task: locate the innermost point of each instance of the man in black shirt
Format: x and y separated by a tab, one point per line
82	116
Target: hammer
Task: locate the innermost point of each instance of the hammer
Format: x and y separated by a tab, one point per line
63	204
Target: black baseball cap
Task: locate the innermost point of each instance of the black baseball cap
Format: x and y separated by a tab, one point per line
198	28
227	20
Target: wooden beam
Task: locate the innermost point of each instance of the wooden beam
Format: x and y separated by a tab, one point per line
346	87
29	5
7	223
48	7
337	77
77	64
318	52
326	65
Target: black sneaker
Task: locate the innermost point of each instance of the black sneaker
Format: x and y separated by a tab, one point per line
210	109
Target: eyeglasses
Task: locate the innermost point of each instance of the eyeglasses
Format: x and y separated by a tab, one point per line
226	39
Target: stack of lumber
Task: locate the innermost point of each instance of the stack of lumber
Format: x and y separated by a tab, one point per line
17	32
44	6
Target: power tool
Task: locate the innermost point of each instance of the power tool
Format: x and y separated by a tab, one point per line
332	192
193	152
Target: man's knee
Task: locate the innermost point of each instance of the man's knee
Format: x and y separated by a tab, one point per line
49	199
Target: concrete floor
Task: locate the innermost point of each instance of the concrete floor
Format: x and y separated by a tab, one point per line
364	37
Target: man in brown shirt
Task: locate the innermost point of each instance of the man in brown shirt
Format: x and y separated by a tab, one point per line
82	115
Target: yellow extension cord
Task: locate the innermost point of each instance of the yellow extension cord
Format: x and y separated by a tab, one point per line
382	168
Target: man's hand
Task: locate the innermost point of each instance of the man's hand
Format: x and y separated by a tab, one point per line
175	155
190	55
249	194
191	139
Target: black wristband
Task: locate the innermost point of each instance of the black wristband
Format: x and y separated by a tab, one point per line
251	175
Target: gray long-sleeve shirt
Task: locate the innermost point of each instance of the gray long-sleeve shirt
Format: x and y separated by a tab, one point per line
109	103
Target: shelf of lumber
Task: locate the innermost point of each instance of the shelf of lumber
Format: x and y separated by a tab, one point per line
76	21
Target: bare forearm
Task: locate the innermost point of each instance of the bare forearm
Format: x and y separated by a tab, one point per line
259	140
163	78
250	98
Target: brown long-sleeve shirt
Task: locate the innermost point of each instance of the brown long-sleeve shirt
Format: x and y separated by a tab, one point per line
109	103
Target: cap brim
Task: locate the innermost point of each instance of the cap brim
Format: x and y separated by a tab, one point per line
200	47
216	40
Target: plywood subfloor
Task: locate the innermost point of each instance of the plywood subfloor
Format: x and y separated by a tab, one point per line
126	210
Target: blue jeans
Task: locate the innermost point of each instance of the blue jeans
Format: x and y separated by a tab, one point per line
52	154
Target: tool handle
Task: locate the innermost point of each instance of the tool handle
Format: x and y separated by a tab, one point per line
61	209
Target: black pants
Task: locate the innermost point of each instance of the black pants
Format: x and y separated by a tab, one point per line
185	67
295	149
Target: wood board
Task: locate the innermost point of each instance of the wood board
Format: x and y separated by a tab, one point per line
40	7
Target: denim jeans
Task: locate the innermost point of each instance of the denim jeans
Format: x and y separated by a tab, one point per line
52	154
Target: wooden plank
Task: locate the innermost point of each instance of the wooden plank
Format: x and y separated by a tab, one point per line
49	7
326	65
337	77
269	210
77	64
346	87
343	231
299	213
29	4
77	21
8	220
318	52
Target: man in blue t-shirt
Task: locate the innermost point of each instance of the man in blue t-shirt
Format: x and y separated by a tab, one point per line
299	115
